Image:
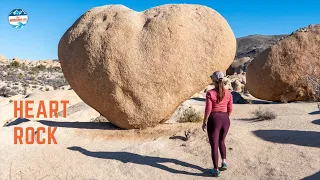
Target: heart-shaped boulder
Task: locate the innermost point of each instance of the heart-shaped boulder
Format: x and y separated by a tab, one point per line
136	68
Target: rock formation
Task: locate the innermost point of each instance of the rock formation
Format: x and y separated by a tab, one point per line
136	68
238	65
281	72
2	57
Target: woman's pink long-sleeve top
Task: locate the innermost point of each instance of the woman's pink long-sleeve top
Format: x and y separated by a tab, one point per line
212	104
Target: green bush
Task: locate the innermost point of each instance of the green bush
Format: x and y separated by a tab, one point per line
190	115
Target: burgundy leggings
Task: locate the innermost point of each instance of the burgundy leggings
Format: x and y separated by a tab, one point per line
217	128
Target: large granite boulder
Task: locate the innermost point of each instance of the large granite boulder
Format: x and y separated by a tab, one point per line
281	72
136	68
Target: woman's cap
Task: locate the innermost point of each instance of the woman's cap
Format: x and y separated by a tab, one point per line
217	76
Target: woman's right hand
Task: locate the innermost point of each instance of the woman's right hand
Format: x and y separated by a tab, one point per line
204	126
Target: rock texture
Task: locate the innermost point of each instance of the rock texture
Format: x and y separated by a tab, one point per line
136	68
280	72
238	65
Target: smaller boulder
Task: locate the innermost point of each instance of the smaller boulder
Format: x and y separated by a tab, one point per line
238	65
237	86
227	83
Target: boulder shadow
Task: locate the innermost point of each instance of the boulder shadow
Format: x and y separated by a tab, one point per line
314	113
199	99
316	122
262	102
237	98
80	125
178	137
252	119
16	122
127	157
315	176
301	138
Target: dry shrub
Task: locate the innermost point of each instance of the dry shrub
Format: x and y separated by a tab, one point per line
314	84
264	114
5	92
190	115
57	82
313	81
14	64
283	99
41	67
99	119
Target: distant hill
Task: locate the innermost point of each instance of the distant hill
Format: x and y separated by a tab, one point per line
251	46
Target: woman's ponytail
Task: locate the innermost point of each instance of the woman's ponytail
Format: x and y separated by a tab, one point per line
220	89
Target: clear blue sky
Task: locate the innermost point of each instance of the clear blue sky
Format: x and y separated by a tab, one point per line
48	20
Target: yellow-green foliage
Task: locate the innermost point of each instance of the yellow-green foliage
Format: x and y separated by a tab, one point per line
190	115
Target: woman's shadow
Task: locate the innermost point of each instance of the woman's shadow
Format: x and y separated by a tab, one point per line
126	157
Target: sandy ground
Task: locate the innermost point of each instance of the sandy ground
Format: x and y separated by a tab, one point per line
285	148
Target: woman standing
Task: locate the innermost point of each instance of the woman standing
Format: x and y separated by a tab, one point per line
217	112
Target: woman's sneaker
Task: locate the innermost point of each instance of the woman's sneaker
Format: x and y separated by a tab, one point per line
215	172
223	166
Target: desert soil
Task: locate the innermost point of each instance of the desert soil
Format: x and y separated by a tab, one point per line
287	147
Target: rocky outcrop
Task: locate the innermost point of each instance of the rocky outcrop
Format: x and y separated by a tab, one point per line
2	58
251	46
33	63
